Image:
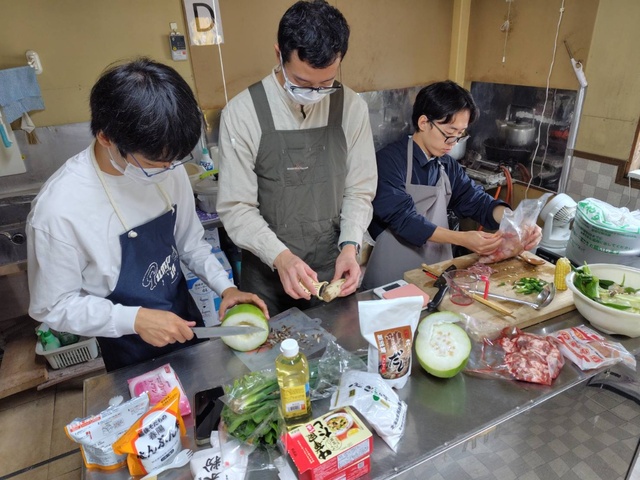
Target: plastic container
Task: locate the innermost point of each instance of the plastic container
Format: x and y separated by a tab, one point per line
292	371
206	194
83	351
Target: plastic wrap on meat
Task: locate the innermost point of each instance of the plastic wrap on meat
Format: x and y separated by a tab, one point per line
532	358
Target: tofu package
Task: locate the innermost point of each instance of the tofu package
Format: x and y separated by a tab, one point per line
97	433
375	401
335	446
389	327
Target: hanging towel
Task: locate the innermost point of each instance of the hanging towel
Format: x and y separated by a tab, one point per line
19	92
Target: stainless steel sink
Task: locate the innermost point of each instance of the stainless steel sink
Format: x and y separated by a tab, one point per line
13	216
14	288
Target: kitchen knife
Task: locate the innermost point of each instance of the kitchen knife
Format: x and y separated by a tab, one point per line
443	287
211	332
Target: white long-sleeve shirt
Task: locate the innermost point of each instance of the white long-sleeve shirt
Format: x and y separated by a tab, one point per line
74	253
240	135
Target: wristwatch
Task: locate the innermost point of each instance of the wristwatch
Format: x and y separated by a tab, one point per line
356	244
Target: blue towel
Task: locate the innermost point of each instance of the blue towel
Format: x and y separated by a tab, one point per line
19	92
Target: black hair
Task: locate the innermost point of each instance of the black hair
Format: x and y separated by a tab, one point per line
317	30
441	101
146	107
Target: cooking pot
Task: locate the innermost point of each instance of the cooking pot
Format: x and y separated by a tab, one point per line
515	130
459	149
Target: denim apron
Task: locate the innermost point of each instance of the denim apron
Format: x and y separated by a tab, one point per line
150	277
392	256
301	181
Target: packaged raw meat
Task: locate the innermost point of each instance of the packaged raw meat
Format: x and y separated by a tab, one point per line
517	355
588	349
516	227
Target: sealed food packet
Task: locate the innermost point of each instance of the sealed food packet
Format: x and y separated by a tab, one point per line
588	349
154	439
96	433
376	401
517	355
159	382
389	327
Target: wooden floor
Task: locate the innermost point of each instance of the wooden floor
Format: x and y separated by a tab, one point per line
33	444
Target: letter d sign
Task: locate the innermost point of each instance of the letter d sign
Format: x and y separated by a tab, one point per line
203	18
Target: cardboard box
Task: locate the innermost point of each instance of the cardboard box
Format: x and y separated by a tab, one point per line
207	300
335	446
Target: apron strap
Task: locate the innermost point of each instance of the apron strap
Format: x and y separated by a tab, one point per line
263	111
335	108
409	161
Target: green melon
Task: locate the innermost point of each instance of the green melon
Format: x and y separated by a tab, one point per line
249	315
442	347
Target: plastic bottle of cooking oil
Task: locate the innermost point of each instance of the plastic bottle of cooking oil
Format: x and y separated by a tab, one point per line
292	370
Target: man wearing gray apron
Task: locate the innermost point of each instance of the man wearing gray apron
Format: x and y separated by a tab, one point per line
304	209
418	182
392	256
297	172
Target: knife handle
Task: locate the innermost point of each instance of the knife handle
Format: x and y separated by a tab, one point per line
437	298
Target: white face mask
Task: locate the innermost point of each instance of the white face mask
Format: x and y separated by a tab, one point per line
301	98
136	174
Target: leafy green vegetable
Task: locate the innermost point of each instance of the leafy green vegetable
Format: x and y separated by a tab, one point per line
529	285
251	412
606	292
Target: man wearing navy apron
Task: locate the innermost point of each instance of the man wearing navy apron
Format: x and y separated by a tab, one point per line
418	182
297	171
108	231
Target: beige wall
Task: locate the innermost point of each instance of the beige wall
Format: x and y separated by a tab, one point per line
390	46
395	43
612	105
530	42
77	39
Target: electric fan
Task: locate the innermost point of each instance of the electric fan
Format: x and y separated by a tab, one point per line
557	216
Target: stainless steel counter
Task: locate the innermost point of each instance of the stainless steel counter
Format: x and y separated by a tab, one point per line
441	413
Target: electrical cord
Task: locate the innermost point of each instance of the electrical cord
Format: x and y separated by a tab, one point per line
546	96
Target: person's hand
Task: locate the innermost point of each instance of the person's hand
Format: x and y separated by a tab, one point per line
293	270
531	237
347	267
232	296
160	328
482	243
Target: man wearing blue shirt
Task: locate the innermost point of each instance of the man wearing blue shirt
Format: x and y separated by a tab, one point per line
418	182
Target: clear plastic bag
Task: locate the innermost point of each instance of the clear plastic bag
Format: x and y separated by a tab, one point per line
516	226
517	355
589	350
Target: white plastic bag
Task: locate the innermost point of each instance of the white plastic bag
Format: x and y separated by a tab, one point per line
376	401
389	326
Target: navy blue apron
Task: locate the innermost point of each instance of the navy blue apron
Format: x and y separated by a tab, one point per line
150	277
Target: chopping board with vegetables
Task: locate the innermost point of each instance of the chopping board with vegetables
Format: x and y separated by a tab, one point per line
502	282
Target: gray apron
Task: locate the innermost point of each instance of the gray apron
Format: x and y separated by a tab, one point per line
392	256
301	180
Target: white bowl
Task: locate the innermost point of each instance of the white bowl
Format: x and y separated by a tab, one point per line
607	319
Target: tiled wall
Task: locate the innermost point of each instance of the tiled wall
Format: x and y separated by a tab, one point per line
593	179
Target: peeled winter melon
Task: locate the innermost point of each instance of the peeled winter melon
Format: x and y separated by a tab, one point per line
249	315
442	347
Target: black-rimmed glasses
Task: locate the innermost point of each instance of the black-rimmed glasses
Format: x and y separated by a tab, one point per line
173	164
449	139
321	90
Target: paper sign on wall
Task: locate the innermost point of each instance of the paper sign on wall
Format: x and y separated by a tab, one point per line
204	23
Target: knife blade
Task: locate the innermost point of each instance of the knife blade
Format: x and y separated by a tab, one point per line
211	332
443	287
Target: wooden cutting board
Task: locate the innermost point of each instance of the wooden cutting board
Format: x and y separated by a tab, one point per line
501	282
